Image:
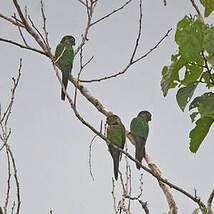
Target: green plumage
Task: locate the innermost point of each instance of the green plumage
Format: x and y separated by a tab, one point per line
117	135
64	55
139	131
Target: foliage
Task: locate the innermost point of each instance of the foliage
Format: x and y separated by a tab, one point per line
192	67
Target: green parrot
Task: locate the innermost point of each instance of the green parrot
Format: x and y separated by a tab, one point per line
65	55
139	131
116	133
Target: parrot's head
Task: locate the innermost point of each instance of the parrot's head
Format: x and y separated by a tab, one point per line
69	39
113	120
146	115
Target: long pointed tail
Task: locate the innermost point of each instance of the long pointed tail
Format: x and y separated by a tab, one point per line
116	166
139	152
65	83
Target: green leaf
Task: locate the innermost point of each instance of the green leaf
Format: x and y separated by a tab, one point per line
192	73
170	75
209	40
205	104
206	76
193	116
210	210
209	6
210	59
184	94
196	211
198	134
189	37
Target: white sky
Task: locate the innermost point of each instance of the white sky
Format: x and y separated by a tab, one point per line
51	146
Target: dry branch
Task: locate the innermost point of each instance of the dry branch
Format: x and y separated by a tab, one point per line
130	63
43	43
4	134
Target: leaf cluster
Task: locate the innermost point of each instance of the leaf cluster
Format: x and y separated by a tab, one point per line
190	68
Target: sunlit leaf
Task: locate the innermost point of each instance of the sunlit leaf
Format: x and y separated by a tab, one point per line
209	6
189	37
192	73
196	211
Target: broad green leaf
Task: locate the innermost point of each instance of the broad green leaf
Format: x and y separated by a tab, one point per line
204	103
189	37
184	94
210	210
193	116
198	134
209	7
170	75
210	59
196	211
192	73
206	76
175	57
209	45
209	40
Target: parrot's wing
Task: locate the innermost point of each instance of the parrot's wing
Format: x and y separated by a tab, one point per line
140	127
59	49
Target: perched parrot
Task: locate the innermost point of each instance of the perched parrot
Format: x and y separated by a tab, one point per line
65	55
139	131
116	133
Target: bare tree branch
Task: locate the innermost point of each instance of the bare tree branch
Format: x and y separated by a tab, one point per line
30	30
44	26
8	183
4	137
89	159
130	63
11	20
168	195
139	31
196	8
23	46
16	179
210	200
109	14
90	10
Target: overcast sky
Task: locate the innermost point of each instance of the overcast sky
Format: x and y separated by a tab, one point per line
51	146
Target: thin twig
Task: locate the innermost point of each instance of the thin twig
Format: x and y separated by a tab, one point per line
13	207
11	20
153	48
89	159
8	183
31	31
90	10
196	8
130	63
83	3
209	202
16	180
144	206
22	46
139	31
109	14
114	198
20	31
44	26
35	28
78	76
